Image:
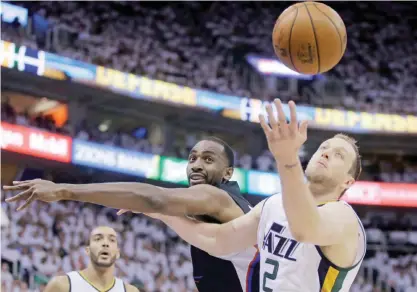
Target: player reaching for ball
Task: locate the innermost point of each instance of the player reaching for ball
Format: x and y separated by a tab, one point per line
309	240
211	197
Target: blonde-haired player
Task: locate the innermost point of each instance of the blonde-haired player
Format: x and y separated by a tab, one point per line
103	252
308	239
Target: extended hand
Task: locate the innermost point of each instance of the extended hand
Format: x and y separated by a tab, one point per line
37	189
284	139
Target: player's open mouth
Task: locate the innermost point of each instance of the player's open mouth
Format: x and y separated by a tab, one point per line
104	254
197	178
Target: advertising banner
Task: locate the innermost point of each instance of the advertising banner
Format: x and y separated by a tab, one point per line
115	159
246	109
382	194
263	183
35	142
50	146
332	119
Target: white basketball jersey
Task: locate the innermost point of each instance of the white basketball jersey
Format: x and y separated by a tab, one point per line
288	265
78	283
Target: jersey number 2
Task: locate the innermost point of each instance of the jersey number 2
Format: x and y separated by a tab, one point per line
272	276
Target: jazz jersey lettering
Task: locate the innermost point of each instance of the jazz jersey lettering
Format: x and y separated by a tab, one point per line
288	265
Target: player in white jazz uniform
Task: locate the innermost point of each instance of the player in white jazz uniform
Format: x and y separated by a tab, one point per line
308	239
103	252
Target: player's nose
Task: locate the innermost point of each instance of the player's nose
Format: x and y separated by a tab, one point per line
325	155
197	167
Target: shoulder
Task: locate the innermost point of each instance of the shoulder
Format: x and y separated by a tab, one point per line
211	192
58	284
131	288
340	210
271	200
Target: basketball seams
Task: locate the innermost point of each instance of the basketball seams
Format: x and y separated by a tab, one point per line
315	38
289	40
334	25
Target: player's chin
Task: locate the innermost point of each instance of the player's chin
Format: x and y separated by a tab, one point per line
194	182
105	263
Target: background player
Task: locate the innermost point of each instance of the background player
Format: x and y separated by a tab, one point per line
103	252
308	239
211	197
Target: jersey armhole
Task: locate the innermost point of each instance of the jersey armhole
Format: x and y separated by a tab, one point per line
124	287
69	281
263	206
323	256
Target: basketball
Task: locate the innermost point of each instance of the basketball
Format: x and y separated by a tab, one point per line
309	38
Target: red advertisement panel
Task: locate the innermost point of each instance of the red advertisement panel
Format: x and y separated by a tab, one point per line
35	142
382	194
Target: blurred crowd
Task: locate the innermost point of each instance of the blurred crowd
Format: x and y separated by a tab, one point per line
49	239
390	168
204	45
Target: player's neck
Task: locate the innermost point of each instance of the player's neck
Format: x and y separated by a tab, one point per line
322	194
102	277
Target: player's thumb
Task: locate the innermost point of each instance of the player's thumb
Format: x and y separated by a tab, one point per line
122	211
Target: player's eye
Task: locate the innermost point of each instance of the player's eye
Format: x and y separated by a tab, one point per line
209	160
340	155
191	158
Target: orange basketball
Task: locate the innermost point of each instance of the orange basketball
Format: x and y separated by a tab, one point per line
309	37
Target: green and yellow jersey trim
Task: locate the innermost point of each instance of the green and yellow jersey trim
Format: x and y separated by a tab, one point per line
331	276
94	286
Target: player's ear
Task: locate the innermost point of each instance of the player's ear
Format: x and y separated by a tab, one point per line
118	254
348	182
228	173
87	250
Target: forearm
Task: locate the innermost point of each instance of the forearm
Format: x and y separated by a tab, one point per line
185	226
138	197
215	239
299	204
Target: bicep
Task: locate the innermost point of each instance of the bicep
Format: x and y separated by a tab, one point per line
58	284
196	200
239	234
337	223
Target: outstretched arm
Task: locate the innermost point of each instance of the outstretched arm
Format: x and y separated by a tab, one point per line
140	197
218	239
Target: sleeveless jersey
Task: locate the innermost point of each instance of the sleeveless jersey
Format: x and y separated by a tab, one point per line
79	283
291	266
233	273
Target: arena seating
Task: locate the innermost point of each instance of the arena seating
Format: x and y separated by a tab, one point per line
208	49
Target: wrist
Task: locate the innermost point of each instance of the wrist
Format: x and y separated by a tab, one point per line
289	159
66	191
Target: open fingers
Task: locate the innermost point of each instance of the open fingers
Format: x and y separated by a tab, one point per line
27	203
17	187
271	118
293	117
23	195
264	125
283	127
